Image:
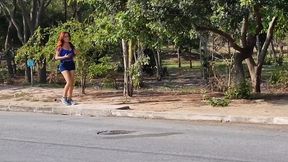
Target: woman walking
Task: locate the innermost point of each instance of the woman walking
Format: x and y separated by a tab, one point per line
65	52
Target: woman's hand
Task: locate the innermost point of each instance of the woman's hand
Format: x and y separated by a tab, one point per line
63	57
67	56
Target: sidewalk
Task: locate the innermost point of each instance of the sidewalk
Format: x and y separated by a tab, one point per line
152	105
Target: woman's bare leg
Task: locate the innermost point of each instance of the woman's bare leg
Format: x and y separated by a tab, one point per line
71	88
67	77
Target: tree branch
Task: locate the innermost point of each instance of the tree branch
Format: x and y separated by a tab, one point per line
259	26
26	16
24	29
269	36
244	31
42	6
38	13
8	36
34	10
47	3
11	17
223	34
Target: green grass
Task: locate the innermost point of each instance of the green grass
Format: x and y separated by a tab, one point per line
176	66
172	65
267	71
176	90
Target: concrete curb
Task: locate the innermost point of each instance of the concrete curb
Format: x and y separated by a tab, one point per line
58	110
115	112
202	117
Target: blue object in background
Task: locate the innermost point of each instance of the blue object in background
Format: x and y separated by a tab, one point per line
30	63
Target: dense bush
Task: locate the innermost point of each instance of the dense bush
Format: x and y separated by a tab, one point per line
241	91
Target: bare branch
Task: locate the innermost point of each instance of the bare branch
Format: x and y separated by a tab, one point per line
269	36
41	6
47	3
244	31
4	7
223	34
13	20
25	15
8	36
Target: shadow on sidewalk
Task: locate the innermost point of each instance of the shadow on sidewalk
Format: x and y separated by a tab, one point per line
276	99
10	87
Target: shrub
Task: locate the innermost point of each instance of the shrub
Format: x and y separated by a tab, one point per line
241	91
218	102
109	82
279	77
4	76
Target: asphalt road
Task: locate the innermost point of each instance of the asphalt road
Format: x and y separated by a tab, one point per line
48	138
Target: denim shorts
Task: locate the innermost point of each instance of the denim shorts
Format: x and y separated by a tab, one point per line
67	66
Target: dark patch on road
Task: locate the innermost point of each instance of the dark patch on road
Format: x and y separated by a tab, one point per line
147	135
114	132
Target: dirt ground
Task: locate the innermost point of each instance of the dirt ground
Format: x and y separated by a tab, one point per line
148	101
181	91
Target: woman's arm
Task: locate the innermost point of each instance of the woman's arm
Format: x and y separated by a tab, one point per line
58	57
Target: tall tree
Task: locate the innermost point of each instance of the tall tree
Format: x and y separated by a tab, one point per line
30	13
242	22
30	10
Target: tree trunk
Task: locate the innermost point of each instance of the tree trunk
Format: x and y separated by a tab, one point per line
255	74
258	44
9	63
140	54
25	31
159	62
239	70
255	70
179	58
42	71
130	63
257	84
65	10
27	74
252	67
8	51
84	73
190	58
281	50
126	71
83	83
229	67
8	36
203	46
14	65
158	65
77	13
273	49
213	48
